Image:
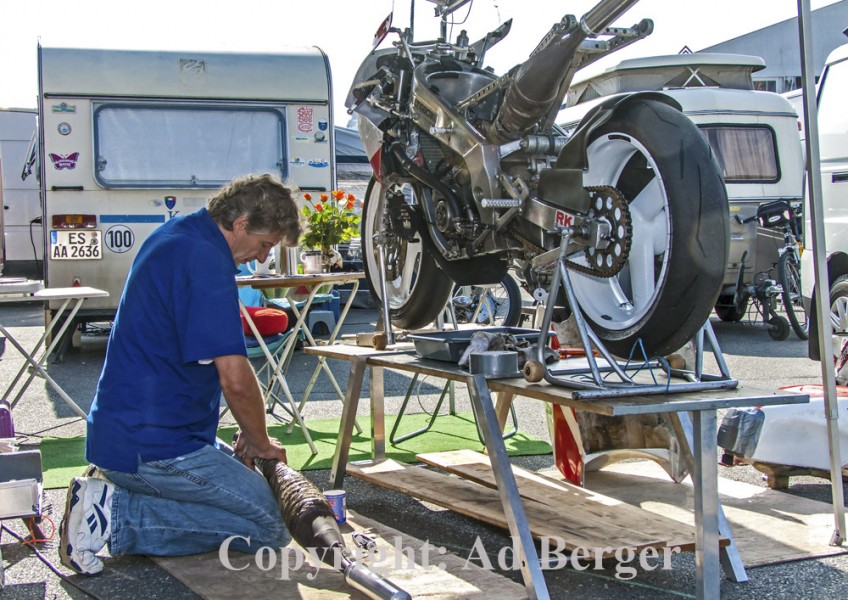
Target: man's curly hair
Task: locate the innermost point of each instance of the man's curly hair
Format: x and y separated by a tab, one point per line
268	205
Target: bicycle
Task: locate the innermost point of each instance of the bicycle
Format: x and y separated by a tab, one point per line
773	215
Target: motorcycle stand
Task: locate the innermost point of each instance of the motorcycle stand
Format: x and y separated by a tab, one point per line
590	382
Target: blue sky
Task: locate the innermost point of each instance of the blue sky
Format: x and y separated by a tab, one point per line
342	28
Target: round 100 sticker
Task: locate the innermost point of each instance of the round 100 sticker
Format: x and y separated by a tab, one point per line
119	238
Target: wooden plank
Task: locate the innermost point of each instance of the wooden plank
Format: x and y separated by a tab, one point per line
672	402
412	364
203	573
560	495
291	281
598	536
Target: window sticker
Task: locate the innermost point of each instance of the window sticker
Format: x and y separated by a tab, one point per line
305	116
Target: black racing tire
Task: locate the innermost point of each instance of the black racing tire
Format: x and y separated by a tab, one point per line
676	264
419	294
789	277
727	310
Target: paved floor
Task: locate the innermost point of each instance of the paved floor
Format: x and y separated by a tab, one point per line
753	358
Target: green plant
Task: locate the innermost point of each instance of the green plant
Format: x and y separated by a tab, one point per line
330	221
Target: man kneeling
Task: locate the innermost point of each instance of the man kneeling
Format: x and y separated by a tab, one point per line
176	344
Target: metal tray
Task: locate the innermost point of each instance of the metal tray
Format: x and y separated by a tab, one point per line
450	345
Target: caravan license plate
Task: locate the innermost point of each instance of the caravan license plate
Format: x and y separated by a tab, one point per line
76	245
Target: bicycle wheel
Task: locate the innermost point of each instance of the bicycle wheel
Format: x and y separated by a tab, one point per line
790	280
492	305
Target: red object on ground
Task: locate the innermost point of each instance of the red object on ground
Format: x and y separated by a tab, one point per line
815	390
567	452
554	339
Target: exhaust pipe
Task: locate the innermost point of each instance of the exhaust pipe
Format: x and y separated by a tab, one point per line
533	90
311	522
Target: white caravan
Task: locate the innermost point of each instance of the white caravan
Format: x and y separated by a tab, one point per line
20	220
130	139
753	134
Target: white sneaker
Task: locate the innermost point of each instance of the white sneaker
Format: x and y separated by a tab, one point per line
85	528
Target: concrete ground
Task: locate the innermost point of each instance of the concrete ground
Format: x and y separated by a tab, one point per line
753	357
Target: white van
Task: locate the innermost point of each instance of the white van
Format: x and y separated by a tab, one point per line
833	149
753	134
20	219
130	139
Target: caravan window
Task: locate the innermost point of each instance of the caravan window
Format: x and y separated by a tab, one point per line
185	146
746	154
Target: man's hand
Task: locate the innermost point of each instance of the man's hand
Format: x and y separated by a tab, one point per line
244	398
247	451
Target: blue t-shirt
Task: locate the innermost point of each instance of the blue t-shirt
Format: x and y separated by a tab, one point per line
179	306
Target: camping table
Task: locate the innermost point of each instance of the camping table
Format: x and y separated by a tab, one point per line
702	405
32	291
291	283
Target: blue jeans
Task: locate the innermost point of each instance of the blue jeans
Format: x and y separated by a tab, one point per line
192	503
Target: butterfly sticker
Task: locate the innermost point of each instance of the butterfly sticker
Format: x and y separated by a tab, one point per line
64	161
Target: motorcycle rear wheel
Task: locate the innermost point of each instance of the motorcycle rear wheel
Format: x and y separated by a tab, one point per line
662	164
420	289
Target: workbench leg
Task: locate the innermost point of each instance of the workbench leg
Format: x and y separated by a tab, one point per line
378	417
351	403
705	478
502	407
519	529
731	561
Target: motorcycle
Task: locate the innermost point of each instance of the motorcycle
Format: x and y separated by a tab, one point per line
472	178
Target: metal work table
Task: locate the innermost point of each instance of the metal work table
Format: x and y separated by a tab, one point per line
72	297
699	438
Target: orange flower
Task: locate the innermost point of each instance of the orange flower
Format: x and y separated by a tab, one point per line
338	194
324	198
319	207
307	197
350	205
351	198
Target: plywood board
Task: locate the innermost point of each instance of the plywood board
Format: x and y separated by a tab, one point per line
769	526
482	503
562	496
206	576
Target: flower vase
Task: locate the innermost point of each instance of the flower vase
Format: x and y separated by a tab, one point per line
312	261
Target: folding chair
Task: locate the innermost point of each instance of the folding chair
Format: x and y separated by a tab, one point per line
275	341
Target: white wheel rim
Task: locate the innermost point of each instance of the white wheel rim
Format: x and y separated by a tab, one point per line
617	303
401	288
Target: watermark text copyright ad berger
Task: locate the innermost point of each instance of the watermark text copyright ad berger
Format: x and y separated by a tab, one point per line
553	555
293	558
